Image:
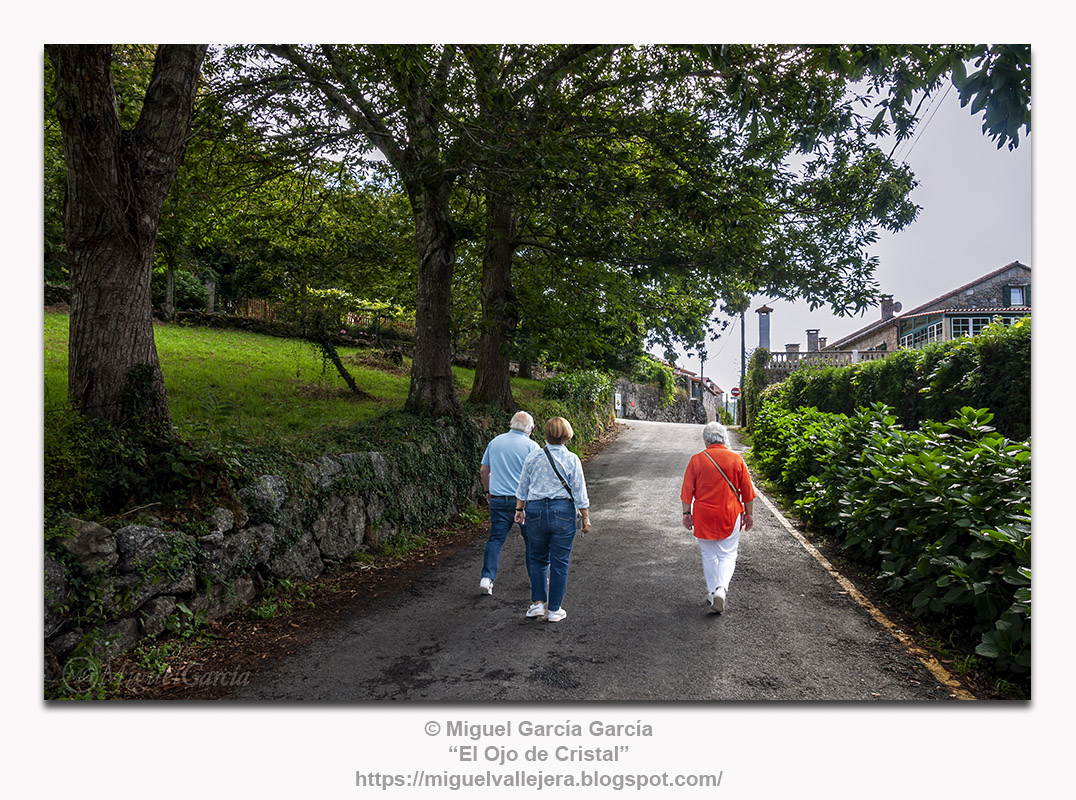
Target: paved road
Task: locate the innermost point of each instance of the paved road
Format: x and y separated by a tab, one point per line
638	627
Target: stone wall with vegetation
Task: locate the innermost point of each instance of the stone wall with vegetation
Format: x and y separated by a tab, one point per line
646	402
107	588
371	487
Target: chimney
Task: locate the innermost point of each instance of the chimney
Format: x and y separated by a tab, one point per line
887	306
793	348
764	326
812	340
821	342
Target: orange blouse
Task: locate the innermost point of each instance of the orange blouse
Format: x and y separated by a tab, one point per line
716	508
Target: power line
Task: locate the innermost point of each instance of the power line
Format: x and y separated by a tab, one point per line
931	111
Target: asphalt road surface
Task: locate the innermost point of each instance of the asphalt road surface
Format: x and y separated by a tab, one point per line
638	626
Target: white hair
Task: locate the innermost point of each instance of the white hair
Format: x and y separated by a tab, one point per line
522	421
714	432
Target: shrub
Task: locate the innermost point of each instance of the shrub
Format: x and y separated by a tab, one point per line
991	370
581	386
786	446
188	293
70	456
650	370
1005	376
588	420
943	513
94	469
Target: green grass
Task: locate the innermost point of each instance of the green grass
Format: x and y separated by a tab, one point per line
256	389
247	386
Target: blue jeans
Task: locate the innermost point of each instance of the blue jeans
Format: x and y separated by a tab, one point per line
550	533
501	512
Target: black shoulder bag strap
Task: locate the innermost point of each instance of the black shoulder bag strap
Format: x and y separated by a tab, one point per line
556	472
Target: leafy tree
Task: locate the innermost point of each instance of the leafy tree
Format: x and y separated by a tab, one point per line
998	87
408	103
767	175
116	180
679	171
54	181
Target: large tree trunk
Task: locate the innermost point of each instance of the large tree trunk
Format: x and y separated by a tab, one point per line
432	391
116	184
492	380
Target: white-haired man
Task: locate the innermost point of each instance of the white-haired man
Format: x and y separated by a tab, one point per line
501	465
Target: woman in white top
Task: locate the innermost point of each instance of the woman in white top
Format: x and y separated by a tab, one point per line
552	493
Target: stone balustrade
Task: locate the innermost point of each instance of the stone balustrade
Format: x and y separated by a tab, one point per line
790	360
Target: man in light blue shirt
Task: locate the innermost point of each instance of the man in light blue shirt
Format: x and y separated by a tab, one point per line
501	465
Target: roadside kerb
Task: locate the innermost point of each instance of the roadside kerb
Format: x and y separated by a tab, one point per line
943	676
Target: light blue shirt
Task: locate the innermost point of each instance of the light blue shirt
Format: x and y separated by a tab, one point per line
504	456
539	482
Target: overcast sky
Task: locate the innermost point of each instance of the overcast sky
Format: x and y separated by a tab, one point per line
975	217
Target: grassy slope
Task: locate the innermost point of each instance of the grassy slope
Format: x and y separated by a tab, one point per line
251	387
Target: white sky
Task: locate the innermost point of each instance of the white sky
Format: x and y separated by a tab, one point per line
975	217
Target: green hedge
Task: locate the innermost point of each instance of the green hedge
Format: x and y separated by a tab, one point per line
943	512
991	370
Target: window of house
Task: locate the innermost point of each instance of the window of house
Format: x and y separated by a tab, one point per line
969	326
922	336
1017	295
973	326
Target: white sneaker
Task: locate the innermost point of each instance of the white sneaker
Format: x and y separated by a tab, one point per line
556	616
718	603
536	610
485	586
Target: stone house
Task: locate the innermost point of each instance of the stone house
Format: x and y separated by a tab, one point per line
1004	293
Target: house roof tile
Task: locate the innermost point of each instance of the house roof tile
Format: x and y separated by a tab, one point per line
983	310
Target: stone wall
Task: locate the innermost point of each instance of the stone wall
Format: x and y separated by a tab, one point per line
639	401
108	588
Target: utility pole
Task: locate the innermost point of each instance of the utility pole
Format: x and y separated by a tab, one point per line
741	407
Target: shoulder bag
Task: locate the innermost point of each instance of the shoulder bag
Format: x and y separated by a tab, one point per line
560	477
563	483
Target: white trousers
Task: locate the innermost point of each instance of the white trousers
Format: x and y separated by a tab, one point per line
719	559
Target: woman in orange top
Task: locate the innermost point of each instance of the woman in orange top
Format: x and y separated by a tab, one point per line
723	506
